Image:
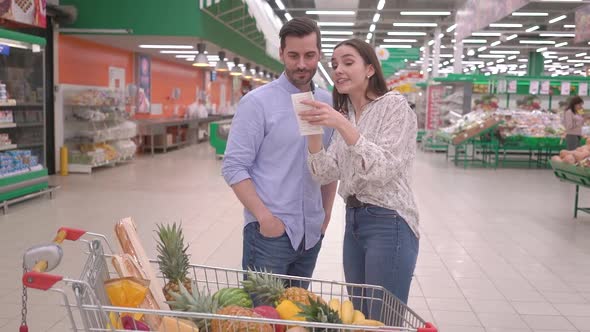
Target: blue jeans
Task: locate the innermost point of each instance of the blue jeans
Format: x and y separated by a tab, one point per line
277	255
379	249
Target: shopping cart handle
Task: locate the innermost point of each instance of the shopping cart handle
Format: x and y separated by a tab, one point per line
428	328
71	234
42	281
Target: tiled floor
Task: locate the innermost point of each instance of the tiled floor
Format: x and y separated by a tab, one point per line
500	250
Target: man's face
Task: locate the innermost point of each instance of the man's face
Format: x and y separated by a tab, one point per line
300	57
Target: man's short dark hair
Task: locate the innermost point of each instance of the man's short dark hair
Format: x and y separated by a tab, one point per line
300	27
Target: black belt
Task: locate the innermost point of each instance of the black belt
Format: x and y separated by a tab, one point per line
353	202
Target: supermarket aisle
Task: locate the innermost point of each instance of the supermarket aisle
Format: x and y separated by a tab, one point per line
499	252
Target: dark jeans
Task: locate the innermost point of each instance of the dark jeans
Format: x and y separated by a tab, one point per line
572	142
379	249
276	255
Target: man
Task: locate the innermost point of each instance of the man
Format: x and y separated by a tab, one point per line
286	212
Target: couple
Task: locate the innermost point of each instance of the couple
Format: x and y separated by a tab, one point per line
287	182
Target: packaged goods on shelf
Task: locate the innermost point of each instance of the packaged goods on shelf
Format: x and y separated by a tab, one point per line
89	115
531	124
17	162
5	139
95	97
125	148
6	117
469	125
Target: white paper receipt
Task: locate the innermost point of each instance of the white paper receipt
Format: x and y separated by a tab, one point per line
304	127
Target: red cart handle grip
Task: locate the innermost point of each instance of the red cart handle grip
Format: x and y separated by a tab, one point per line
42	281
429	327
66	233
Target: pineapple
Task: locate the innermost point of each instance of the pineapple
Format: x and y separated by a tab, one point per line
173	259
239	326
318	311
270	290
197	301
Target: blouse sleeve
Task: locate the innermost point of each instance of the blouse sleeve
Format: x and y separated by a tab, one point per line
324	164
568	120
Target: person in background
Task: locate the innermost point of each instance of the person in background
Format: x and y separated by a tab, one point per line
286	212
573	121
372	153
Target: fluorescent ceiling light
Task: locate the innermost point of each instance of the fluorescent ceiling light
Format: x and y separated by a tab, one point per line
326	76
331	12
511	37
430	13
328	45
280	4
491	56
174	47
542	49
446	56
381	4
581	54
529	14
336	24
496	43
512	57
471	52
560	44
570	26
563	58
395	46
179	52
441	35
506	25
372	27
395	40
405	33
490	63
370	35
329	39
474	41
544	42
480	66
483	48
522	66
451	28
406	24
523	60
430	43
376	17
548	61
486	34
505	52
288	16
557	19
334	32
578	61
327	50
531	29
561	35
500	60
579	65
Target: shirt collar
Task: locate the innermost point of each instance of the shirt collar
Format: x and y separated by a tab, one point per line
287	85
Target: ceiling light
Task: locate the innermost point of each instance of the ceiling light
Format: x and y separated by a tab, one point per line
174	47
335	24
531	29
331	12
422	49
328	39
490	63
563	58
579	65
542	49
557	19
471	52
381	4
451	28
236	70
561	35
522	66
395	46
406	24
523	60
529	14
221	65
496	43
570	26
347	33
483	48
288	16
328	45
511	37
179	52
395	40
432	13
544	42
578	61
491	56
376	17
512	57
548	61
446	56
182	56
505	52
560	44
405	33
280	4
327	50
506	25
430	43
486	34
446	63
201	59
372	27
480	66
441	35
370	35
500	60
474	41
581	54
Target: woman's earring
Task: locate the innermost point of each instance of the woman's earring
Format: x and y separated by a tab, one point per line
368	76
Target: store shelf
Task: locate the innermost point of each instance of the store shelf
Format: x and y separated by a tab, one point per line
7	125
30	145
87	168
23	184
21	106
30	124
8	147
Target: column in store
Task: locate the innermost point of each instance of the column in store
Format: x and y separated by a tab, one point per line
436	52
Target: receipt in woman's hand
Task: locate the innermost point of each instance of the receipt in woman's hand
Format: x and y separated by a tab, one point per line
304	127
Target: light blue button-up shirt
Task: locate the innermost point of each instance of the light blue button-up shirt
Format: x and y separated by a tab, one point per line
265	145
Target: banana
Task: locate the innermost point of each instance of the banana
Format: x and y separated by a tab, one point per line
357	316
368	322
335	305
347	312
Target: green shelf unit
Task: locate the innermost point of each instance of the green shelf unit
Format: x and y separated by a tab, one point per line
218	136
420	135
579	176
481	150
23	184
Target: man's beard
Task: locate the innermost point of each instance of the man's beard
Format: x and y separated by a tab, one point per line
292	75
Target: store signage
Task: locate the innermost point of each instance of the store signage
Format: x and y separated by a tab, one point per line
583	89
29	12
435	94
545	87
534	88
478	14
512	86
4	49
502	86
565	88
583	24
144	82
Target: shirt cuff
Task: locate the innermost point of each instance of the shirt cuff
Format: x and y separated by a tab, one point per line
358	146
238	177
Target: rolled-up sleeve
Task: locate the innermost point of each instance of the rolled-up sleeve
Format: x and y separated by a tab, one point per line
324	165
245	137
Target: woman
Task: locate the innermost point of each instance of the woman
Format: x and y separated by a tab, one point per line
573	121
372	155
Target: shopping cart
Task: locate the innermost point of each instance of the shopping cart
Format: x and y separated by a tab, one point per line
90	309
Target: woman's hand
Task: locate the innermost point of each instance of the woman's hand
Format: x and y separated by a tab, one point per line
322	114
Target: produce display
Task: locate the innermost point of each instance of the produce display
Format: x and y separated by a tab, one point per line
469	125
531	124
260	295
579	157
